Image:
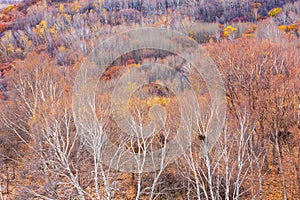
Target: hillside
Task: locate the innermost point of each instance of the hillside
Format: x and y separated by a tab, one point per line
144	99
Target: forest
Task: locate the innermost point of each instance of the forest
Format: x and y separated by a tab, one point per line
150	99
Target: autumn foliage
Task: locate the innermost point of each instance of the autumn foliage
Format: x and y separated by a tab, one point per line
256	48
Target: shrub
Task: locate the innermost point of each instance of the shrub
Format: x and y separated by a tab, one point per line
274	12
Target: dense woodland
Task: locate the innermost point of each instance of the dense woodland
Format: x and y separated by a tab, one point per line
255	46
